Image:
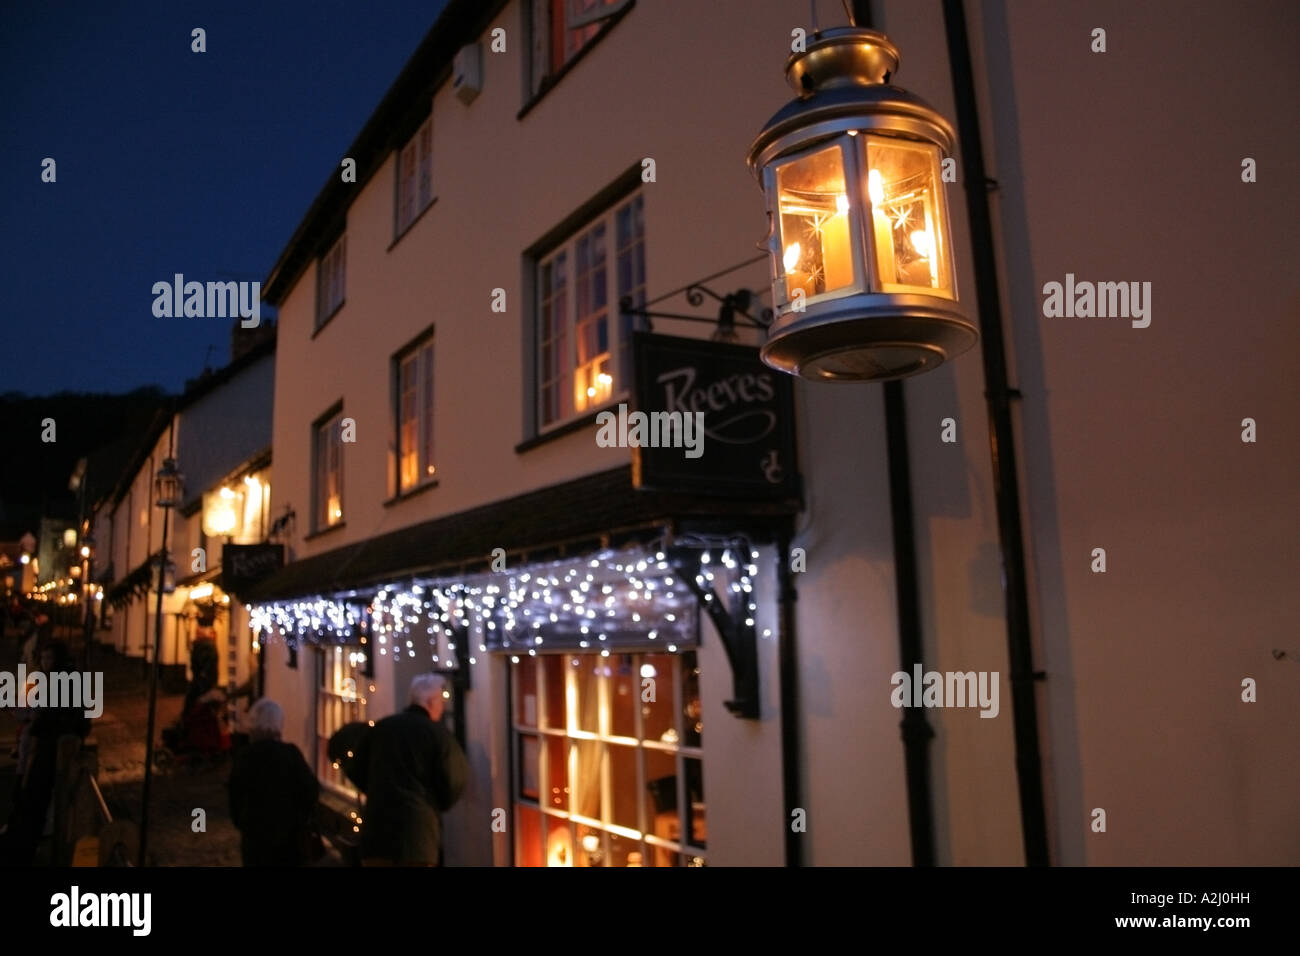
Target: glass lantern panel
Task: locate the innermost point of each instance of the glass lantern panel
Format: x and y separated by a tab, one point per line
816	246
909	227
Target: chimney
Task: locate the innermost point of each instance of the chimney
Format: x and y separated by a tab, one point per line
244	340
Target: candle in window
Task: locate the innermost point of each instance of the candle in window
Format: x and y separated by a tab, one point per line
882	230
837	254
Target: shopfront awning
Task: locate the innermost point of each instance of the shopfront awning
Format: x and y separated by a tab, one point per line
588	513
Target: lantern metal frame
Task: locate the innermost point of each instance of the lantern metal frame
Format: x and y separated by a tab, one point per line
858	332
168	484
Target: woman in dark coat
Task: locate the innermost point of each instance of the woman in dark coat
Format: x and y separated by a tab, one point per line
273	794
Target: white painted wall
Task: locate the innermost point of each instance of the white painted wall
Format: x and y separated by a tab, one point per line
1129	438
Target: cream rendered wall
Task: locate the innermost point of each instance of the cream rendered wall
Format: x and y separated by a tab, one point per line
1130	439
976	800
501	184
1134	435
1186	609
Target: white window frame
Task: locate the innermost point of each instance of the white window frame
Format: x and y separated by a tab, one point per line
420	357
348	705
331	281
616	357
567	815
575	18
414	177
327	438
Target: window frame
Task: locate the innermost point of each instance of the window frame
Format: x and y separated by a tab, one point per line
619	325
330	776
422	196
326	308
331	419
425	427
541	73
644	838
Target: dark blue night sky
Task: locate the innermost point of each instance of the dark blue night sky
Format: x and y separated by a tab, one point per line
167	161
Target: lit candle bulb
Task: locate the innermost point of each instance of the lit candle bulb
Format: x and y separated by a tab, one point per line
791	258
882	230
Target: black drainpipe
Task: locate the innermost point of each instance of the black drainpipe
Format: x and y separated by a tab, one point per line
917	732
790	755
915	728
1033	819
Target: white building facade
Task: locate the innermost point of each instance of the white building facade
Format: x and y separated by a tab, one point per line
450	324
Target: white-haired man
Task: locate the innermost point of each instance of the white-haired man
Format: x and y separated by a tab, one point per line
413	770
272	794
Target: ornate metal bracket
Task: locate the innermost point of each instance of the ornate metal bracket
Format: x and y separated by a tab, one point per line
739	637
732	307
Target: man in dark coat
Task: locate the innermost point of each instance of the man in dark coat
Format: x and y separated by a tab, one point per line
412	770
273	794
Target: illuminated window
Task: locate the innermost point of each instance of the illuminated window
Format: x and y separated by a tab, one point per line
414	390
908	217
561	29
328	483
815	225
237	510
583	341
415	176
340	699
608	760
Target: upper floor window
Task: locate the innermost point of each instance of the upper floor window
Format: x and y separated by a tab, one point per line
330	284
561	29
583	340
328	477
415	176
414	389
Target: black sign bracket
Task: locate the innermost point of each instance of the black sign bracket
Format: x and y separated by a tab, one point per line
734	626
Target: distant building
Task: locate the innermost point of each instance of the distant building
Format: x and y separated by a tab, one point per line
219	432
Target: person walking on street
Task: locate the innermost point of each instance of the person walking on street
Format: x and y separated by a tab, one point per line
273	794
412	771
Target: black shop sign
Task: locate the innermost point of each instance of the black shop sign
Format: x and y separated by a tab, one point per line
748	441
243	565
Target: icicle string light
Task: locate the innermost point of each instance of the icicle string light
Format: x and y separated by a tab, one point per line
611	599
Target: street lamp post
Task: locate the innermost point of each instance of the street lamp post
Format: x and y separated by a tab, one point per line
167	495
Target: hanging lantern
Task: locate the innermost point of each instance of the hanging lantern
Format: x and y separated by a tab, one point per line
167	485
164	574
862	271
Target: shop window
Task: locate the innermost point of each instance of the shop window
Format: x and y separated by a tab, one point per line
341	689
609	768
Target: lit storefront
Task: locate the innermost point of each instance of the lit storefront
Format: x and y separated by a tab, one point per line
575	661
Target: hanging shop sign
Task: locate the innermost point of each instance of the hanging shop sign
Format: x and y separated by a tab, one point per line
243	565
711	419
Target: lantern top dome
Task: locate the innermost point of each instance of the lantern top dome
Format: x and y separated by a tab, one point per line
842	82
842	56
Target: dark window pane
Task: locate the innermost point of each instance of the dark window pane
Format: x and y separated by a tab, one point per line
623	787
557	773
528	850
695	803
624	693
525	681
554	665
658	720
